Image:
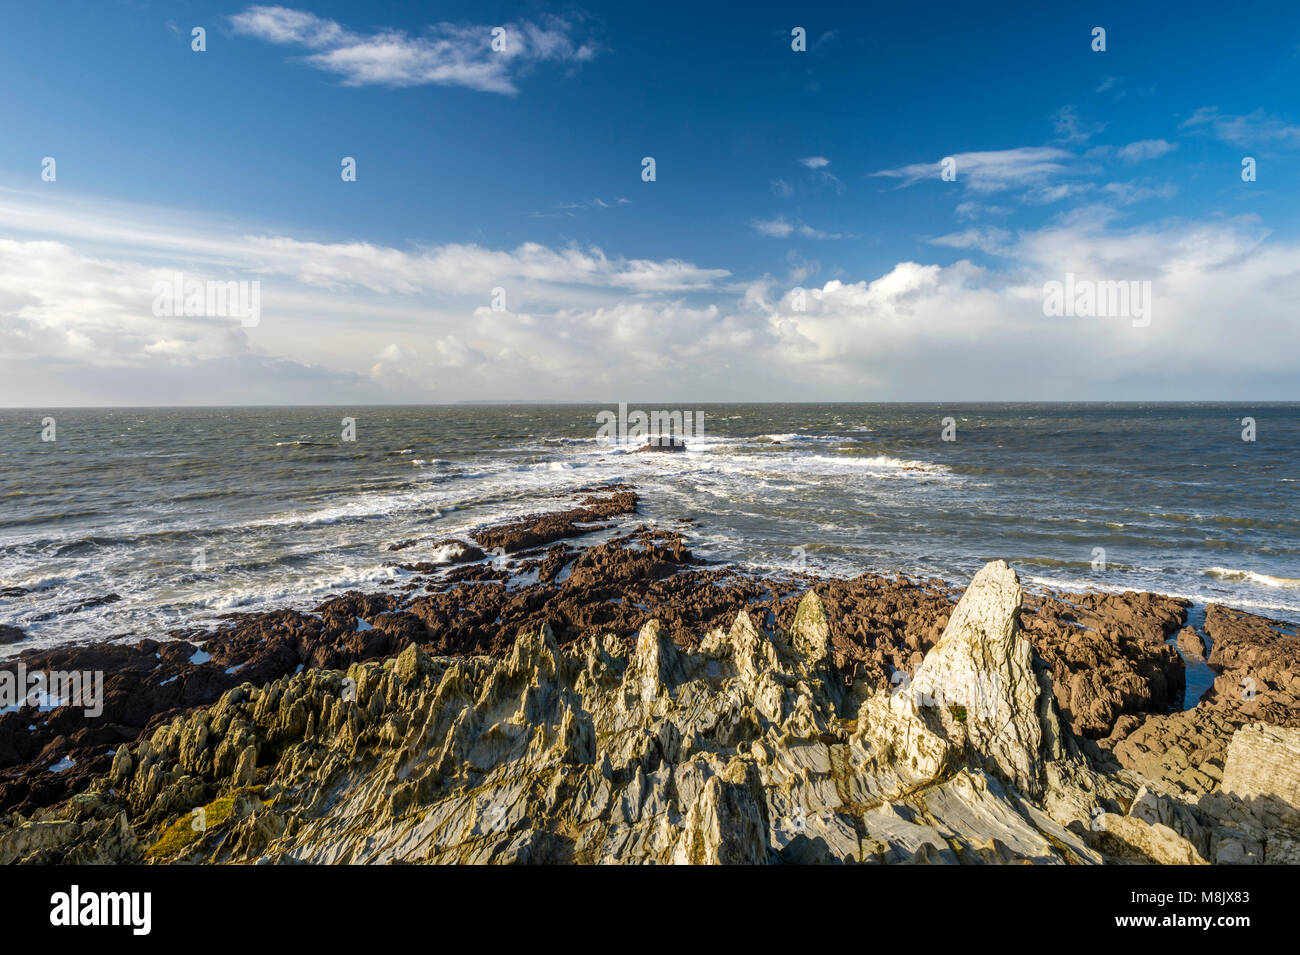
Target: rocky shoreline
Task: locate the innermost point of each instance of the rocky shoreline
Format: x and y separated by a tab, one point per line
545	698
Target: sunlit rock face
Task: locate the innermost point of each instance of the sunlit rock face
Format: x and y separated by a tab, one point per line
747	748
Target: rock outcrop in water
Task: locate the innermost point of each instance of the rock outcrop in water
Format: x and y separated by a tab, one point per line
1110	668
748	747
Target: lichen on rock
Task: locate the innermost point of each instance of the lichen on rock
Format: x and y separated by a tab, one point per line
748	747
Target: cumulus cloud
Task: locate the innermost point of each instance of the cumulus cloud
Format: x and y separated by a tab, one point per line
920	329
355	321
445	54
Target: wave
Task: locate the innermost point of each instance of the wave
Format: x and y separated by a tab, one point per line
446	553
1266	580
1239	602
880	462
792	437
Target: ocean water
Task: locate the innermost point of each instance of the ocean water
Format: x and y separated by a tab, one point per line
186	514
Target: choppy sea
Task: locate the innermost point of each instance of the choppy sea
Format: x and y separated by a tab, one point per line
185	514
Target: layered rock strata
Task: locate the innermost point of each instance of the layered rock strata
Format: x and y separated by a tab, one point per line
748	746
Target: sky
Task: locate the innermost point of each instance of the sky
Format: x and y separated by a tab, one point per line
803	237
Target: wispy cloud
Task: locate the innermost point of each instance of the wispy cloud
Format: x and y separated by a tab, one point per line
993	241
818	174
994	170
1127	193
573	209
1252	131
1145	149
446	54
1038	174
783	228
1071	128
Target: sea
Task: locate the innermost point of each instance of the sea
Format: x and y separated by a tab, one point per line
186	514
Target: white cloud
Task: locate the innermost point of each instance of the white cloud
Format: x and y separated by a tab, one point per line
446	54
778	228
815	162
470	269
782	228
1038	174
1127	193
994	170
1071	128
1253	131
359	322
995	241
1145	149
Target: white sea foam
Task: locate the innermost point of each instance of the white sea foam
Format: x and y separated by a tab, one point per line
1199	597
1266	580
446	553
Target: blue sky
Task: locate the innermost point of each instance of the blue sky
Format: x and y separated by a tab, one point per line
521	170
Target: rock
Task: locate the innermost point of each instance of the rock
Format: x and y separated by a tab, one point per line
1264	763
627	701
454	551
10	634
245	773
730	751
1191	643
978	689
662	443
1184	752
1259	664
1108	655
1128	837
538	529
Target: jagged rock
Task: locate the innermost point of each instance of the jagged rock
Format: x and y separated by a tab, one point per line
742	748
245	773
976	692
1110	662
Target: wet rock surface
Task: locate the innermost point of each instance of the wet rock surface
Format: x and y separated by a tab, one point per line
627	701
